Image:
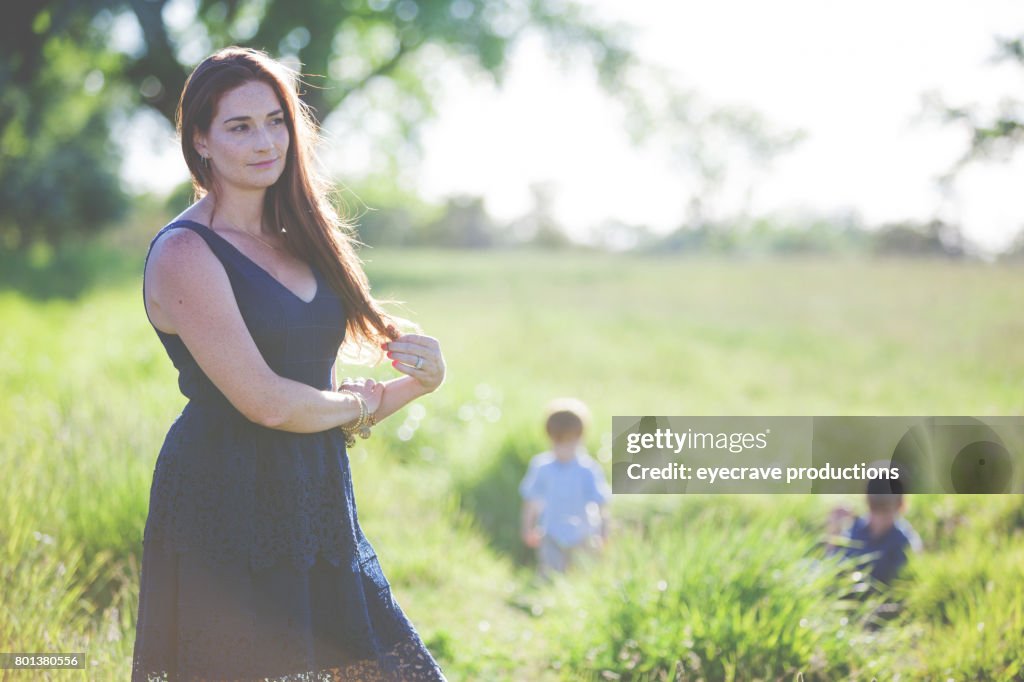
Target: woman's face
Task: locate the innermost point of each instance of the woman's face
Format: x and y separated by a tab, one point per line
248	137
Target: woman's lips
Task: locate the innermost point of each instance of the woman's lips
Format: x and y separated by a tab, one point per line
265	164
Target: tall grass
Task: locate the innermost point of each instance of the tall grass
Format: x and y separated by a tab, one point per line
703	587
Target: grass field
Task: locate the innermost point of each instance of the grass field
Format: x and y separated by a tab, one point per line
720	587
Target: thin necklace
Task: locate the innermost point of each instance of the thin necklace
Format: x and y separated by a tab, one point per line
275	248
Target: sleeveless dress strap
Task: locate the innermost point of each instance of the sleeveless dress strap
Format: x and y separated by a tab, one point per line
216	246
218	250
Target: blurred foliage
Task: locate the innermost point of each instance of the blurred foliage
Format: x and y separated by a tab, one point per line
58	169
342	48
702	140
769	234
387	215
995	131
65	271
539	225
935	238
1015	251
65	87
63	82
71	68
464	223
349	45
815	234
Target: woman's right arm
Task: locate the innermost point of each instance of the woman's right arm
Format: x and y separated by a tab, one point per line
192	290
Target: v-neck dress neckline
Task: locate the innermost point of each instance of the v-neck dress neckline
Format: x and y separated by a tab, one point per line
312	267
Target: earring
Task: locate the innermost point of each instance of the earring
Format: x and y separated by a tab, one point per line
206	162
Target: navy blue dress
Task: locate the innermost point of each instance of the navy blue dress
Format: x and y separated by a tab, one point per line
254	565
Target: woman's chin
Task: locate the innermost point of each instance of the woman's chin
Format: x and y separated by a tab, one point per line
262	182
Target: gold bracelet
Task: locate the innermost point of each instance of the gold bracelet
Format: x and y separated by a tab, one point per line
360	423
371	420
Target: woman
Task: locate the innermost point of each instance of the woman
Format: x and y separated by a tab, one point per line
254	565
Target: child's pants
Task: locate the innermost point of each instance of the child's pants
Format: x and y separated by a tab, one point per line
552	557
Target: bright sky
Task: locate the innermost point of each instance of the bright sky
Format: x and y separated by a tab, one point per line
851	75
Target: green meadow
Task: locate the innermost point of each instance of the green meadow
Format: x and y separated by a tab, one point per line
690	587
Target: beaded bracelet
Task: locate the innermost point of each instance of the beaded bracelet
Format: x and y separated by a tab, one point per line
362	424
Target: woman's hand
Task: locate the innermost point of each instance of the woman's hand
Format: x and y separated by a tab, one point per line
370	391
418	356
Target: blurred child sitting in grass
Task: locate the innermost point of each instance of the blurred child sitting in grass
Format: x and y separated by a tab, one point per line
565	496
878	543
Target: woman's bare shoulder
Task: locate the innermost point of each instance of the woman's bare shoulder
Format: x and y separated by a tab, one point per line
181	257
179	241
178	246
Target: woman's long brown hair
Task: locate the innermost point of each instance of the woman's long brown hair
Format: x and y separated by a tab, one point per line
299	201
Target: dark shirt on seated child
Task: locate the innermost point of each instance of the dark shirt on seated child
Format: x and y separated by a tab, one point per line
882	556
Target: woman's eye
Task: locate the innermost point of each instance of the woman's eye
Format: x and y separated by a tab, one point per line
243	126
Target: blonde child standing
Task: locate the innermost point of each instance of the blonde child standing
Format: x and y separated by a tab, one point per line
565	495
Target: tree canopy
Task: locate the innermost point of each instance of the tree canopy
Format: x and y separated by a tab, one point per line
69	67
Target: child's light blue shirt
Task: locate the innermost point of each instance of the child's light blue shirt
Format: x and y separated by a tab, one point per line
564	490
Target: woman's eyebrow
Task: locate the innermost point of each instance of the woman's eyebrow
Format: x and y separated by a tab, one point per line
275	112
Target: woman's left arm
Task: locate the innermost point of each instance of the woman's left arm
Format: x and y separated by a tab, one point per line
397	394
406	352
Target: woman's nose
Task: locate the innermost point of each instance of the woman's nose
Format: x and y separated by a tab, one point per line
264	139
